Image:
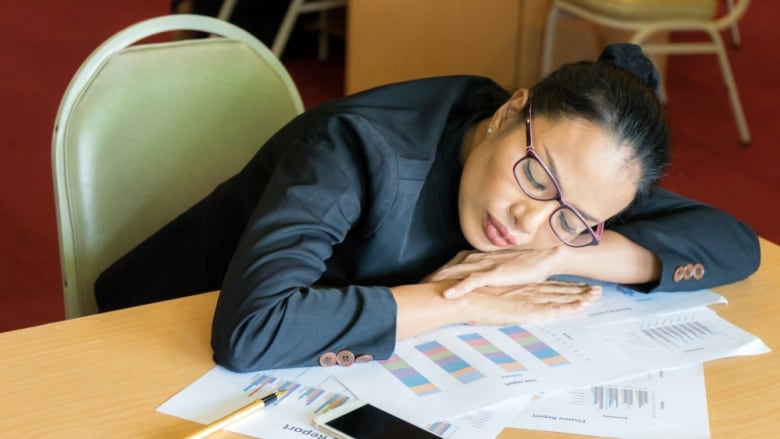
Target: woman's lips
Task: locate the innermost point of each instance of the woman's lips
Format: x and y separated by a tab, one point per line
496	232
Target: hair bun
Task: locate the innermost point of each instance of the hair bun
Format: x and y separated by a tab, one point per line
630	57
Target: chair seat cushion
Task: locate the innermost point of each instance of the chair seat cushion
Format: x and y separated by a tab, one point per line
649	10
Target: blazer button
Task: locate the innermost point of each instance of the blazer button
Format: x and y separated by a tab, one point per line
678	274
688	271
698	271
345	358
328	359
364	358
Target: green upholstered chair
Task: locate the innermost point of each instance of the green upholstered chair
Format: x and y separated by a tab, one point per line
645	18
145	130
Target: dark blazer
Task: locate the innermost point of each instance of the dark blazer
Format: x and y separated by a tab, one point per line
352	198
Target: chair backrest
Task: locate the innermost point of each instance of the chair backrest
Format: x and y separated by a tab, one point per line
145	131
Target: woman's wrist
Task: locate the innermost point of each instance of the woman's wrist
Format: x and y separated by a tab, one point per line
422	307
615	259
558	261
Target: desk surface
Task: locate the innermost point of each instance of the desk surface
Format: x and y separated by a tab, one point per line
104	375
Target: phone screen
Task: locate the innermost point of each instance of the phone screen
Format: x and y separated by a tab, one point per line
369	422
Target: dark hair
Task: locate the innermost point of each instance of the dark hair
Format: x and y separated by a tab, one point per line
617	92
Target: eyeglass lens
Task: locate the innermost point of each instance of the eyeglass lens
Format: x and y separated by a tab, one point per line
538	184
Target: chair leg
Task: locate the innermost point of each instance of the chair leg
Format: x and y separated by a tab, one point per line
323	38
736	40
549	39
661	93
226	10
731	85
283	34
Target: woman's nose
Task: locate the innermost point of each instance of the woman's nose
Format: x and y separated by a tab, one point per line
529	214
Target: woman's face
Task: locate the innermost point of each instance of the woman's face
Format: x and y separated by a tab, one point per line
593	171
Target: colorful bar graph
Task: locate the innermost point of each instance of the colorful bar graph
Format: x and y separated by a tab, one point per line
438	428
606	397
535	346
409	376
261	381
258	382
309	394
289	386
332	400
492	352
451	363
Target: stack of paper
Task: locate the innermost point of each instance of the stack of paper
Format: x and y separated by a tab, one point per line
629	367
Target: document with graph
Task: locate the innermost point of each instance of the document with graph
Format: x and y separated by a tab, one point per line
460	368
663	404
310	392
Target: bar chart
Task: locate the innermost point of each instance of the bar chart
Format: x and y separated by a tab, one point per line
312	397
610	397
535	346
450	362
409	376
492	352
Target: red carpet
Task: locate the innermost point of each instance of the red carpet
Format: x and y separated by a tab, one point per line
45	42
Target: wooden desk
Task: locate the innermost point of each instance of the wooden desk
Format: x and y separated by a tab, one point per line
103	376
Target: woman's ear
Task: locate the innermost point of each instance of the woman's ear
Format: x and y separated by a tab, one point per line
510	111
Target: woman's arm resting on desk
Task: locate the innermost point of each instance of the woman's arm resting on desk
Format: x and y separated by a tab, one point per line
685	233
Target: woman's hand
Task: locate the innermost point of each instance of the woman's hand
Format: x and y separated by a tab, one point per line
497	269
529	303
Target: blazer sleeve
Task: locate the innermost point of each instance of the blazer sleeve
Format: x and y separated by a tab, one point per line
270	313
699	246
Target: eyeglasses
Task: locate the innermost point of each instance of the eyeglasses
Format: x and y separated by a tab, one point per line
536	180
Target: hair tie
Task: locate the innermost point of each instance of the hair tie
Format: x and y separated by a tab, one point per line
630	57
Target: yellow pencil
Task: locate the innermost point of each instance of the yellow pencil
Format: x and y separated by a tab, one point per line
243	412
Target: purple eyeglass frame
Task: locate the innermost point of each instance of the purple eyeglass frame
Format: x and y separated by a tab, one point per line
531	153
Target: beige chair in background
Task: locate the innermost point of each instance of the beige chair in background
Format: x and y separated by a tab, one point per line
296	8
144	131
646	18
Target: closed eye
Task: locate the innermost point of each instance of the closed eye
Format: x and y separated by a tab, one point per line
531	178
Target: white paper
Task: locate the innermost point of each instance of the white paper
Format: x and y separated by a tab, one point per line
681	338
428	375
459	369
464	381
666	404
485	423
312	391
619	304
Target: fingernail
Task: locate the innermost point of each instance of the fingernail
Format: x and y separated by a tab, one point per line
450	294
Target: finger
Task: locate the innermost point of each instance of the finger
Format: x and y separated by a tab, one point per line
564	283
468	284
585	297
441	273
464	269
565	288
458	258
535	293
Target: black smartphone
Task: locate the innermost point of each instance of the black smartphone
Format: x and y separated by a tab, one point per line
361	420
